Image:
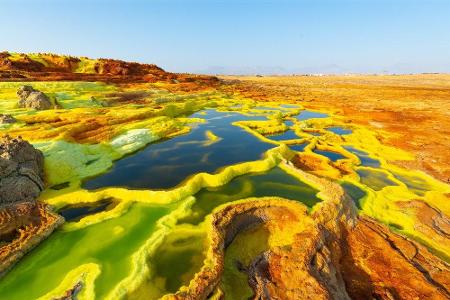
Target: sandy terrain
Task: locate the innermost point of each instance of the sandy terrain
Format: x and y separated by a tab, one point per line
413	109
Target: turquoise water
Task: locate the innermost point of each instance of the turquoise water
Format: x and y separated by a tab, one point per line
289	106
415	184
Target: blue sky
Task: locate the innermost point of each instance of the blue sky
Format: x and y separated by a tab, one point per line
238	36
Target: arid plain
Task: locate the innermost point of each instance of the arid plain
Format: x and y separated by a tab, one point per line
408	111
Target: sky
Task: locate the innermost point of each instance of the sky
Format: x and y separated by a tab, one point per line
238	37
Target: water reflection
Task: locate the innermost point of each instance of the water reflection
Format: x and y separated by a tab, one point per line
307	114
376	180
75	212
298	147
289	123
340	130
167	163
287	135
364	157
333	156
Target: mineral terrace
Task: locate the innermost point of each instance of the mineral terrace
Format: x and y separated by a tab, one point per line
120	180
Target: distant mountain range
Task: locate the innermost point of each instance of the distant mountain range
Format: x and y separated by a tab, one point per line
400	68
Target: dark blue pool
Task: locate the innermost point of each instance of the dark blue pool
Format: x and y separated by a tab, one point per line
167	163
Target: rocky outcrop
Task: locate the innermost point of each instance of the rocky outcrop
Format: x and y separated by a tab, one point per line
378	263
24	222
72	293
31	98
7	119
303	264
53	67
431	221
21	171
22	227
328	254
6	62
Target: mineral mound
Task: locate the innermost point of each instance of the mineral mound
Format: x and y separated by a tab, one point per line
7	119
21	171
23	221
337	256
31	98
22	227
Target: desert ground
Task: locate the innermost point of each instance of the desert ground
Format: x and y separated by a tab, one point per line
411	112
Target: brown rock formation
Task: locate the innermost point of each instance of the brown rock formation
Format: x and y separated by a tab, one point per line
329	254
21	171
368	262
22	227
26	67
431	221
23	221
72	293
68	64
25	63
308	162
7	119
31	98
380	264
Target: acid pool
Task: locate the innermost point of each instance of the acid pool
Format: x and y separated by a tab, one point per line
364	157
333	156
275	182
166	164
307	114
339	130
287	135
